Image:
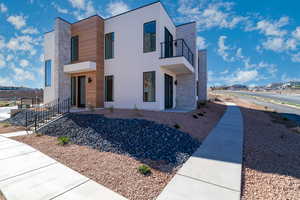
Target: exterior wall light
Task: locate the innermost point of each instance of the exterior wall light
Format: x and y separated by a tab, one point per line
89	80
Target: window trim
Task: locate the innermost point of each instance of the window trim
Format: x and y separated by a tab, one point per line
154	86
105	89
77	58
113	46
46	72
144	37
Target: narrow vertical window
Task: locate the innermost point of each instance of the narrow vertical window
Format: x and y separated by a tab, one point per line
109	88
149	86
109	45
74	48
73	91
47	73
149	36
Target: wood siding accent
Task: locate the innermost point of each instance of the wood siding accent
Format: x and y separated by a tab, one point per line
91	48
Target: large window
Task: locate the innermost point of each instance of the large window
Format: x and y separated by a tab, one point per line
109	45
149	86
74	48
109	84
149	36
48	73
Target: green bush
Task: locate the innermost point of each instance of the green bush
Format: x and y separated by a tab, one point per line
38	134
63	140
285	118
5	124
144	169
177	126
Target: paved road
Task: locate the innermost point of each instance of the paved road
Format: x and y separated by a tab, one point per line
280	97
286	111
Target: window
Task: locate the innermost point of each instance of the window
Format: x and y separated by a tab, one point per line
109	88
149	36
109	45
149	86
74	48
47	73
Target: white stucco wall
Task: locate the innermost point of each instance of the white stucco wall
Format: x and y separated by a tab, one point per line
130	62
49	92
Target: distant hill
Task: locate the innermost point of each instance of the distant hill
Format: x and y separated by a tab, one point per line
12	93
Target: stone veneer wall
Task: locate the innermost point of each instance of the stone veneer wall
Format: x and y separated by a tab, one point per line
62	56
186	83
202	75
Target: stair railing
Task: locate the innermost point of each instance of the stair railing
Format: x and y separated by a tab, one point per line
39	115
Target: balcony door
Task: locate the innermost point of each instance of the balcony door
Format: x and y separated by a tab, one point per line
168	44
81	91
168	91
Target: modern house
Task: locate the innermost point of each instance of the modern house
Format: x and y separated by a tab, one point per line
137	59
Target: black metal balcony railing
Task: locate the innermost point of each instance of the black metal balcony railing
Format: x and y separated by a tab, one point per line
176	48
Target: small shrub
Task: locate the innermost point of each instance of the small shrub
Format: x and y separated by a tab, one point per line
285	119
195	116
63	140
177	126
144	169
200	114
111	109
5	125
38	134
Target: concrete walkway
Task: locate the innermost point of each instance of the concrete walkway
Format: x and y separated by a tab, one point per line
26	173
214	170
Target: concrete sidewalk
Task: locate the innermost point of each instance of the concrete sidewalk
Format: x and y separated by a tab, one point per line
26	173
214	170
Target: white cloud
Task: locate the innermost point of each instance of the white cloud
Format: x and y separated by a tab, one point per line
23	43
117	7
296	57
59	9
2	61
239	53
6	81
42	58
271	28
24	63
21	74
296	33
286	78
30	30
209	15
9	57
223	48
3	8
18	21
279	44
80	4
84	8
201	44
241	77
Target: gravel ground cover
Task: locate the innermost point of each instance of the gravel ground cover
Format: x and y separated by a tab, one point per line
138	138
271	166
114	163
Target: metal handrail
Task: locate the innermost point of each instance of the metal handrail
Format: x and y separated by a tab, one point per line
176	48
38	115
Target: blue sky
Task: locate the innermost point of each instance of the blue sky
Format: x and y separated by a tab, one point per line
247	42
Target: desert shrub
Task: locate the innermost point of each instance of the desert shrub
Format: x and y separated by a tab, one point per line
5	124
144	169
200	114
195	116
285	118
63	140
177	126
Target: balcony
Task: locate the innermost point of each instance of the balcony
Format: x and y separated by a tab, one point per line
176	57
80	67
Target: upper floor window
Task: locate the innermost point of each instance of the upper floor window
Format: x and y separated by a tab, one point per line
47	73
109	45
149	36
74	48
